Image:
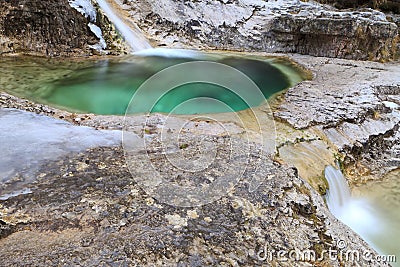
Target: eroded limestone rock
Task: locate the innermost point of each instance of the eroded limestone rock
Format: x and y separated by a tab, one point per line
270	26
97	215
355	107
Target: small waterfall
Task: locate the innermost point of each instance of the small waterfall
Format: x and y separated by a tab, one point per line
338	195
363	216
131	34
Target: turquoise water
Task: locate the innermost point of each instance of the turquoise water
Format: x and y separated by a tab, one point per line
107	86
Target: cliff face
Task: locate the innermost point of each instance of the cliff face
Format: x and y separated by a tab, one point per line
342	37
274	26
51	28
54	28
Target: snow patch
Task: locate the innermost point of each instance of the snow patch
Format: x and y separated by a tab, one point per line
86	8
97	31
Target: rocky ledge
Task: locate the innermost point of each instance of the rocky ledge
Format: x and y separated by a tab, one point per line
43	28
355	106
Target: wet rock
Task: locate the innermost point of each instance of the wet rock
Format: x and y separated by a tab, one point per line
114	41
371	149
310	159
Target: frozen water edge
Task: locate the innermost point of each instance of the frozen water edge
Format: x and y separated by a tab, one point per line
29	140
24	191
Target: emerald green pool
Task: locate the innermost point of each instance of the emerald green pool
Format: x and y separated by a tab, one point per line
107	86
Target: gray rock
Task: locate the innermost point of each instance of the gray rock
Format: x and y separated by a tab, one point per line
99	216
341	91
51	28
355	107
270	26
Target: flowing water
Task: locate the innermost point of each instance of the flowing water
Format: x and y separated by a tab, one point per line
371	210
107	86
130	32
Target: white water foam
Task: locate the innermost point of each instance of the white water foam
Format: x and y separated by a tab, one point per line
360	214
132	35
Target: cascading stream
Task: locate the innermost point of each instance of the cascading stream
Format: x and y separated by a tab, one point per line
130	32
372	220
339	194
